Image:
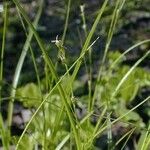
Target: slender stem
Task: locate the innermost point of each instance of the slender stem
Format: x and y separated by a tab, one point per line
19	67
88	39
122	116
84	26
49	62
51	91
3	47
109	38
66	22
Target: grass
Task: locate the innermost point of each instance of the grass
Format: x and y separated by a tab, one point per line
54	123
3	44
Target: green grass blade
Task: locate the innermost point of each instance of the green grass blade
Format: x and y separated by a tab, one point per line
143	141
122	116
4	135
52	69
124	136
3	132
51	91
128	50
20	64
3	46
36	69
88	39
59	147
128	73
66	22
115	17
122	148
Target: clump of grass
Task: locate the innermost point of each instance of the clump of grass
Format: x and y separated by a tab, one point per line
54	123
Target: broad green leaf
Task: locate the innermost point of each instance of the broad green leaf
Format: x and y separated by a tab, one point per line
30	94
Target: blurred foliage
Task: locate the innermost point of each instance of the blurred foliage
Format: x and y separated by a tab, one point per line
138	79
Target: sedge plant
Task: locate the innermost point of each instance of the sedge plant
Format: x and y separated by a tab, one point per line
54	123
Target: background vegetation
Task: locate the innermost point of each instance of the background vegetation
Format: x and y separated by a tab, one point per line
75	74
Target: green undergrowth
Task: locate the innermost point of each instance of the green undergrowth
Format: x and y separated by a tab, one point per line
73	111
